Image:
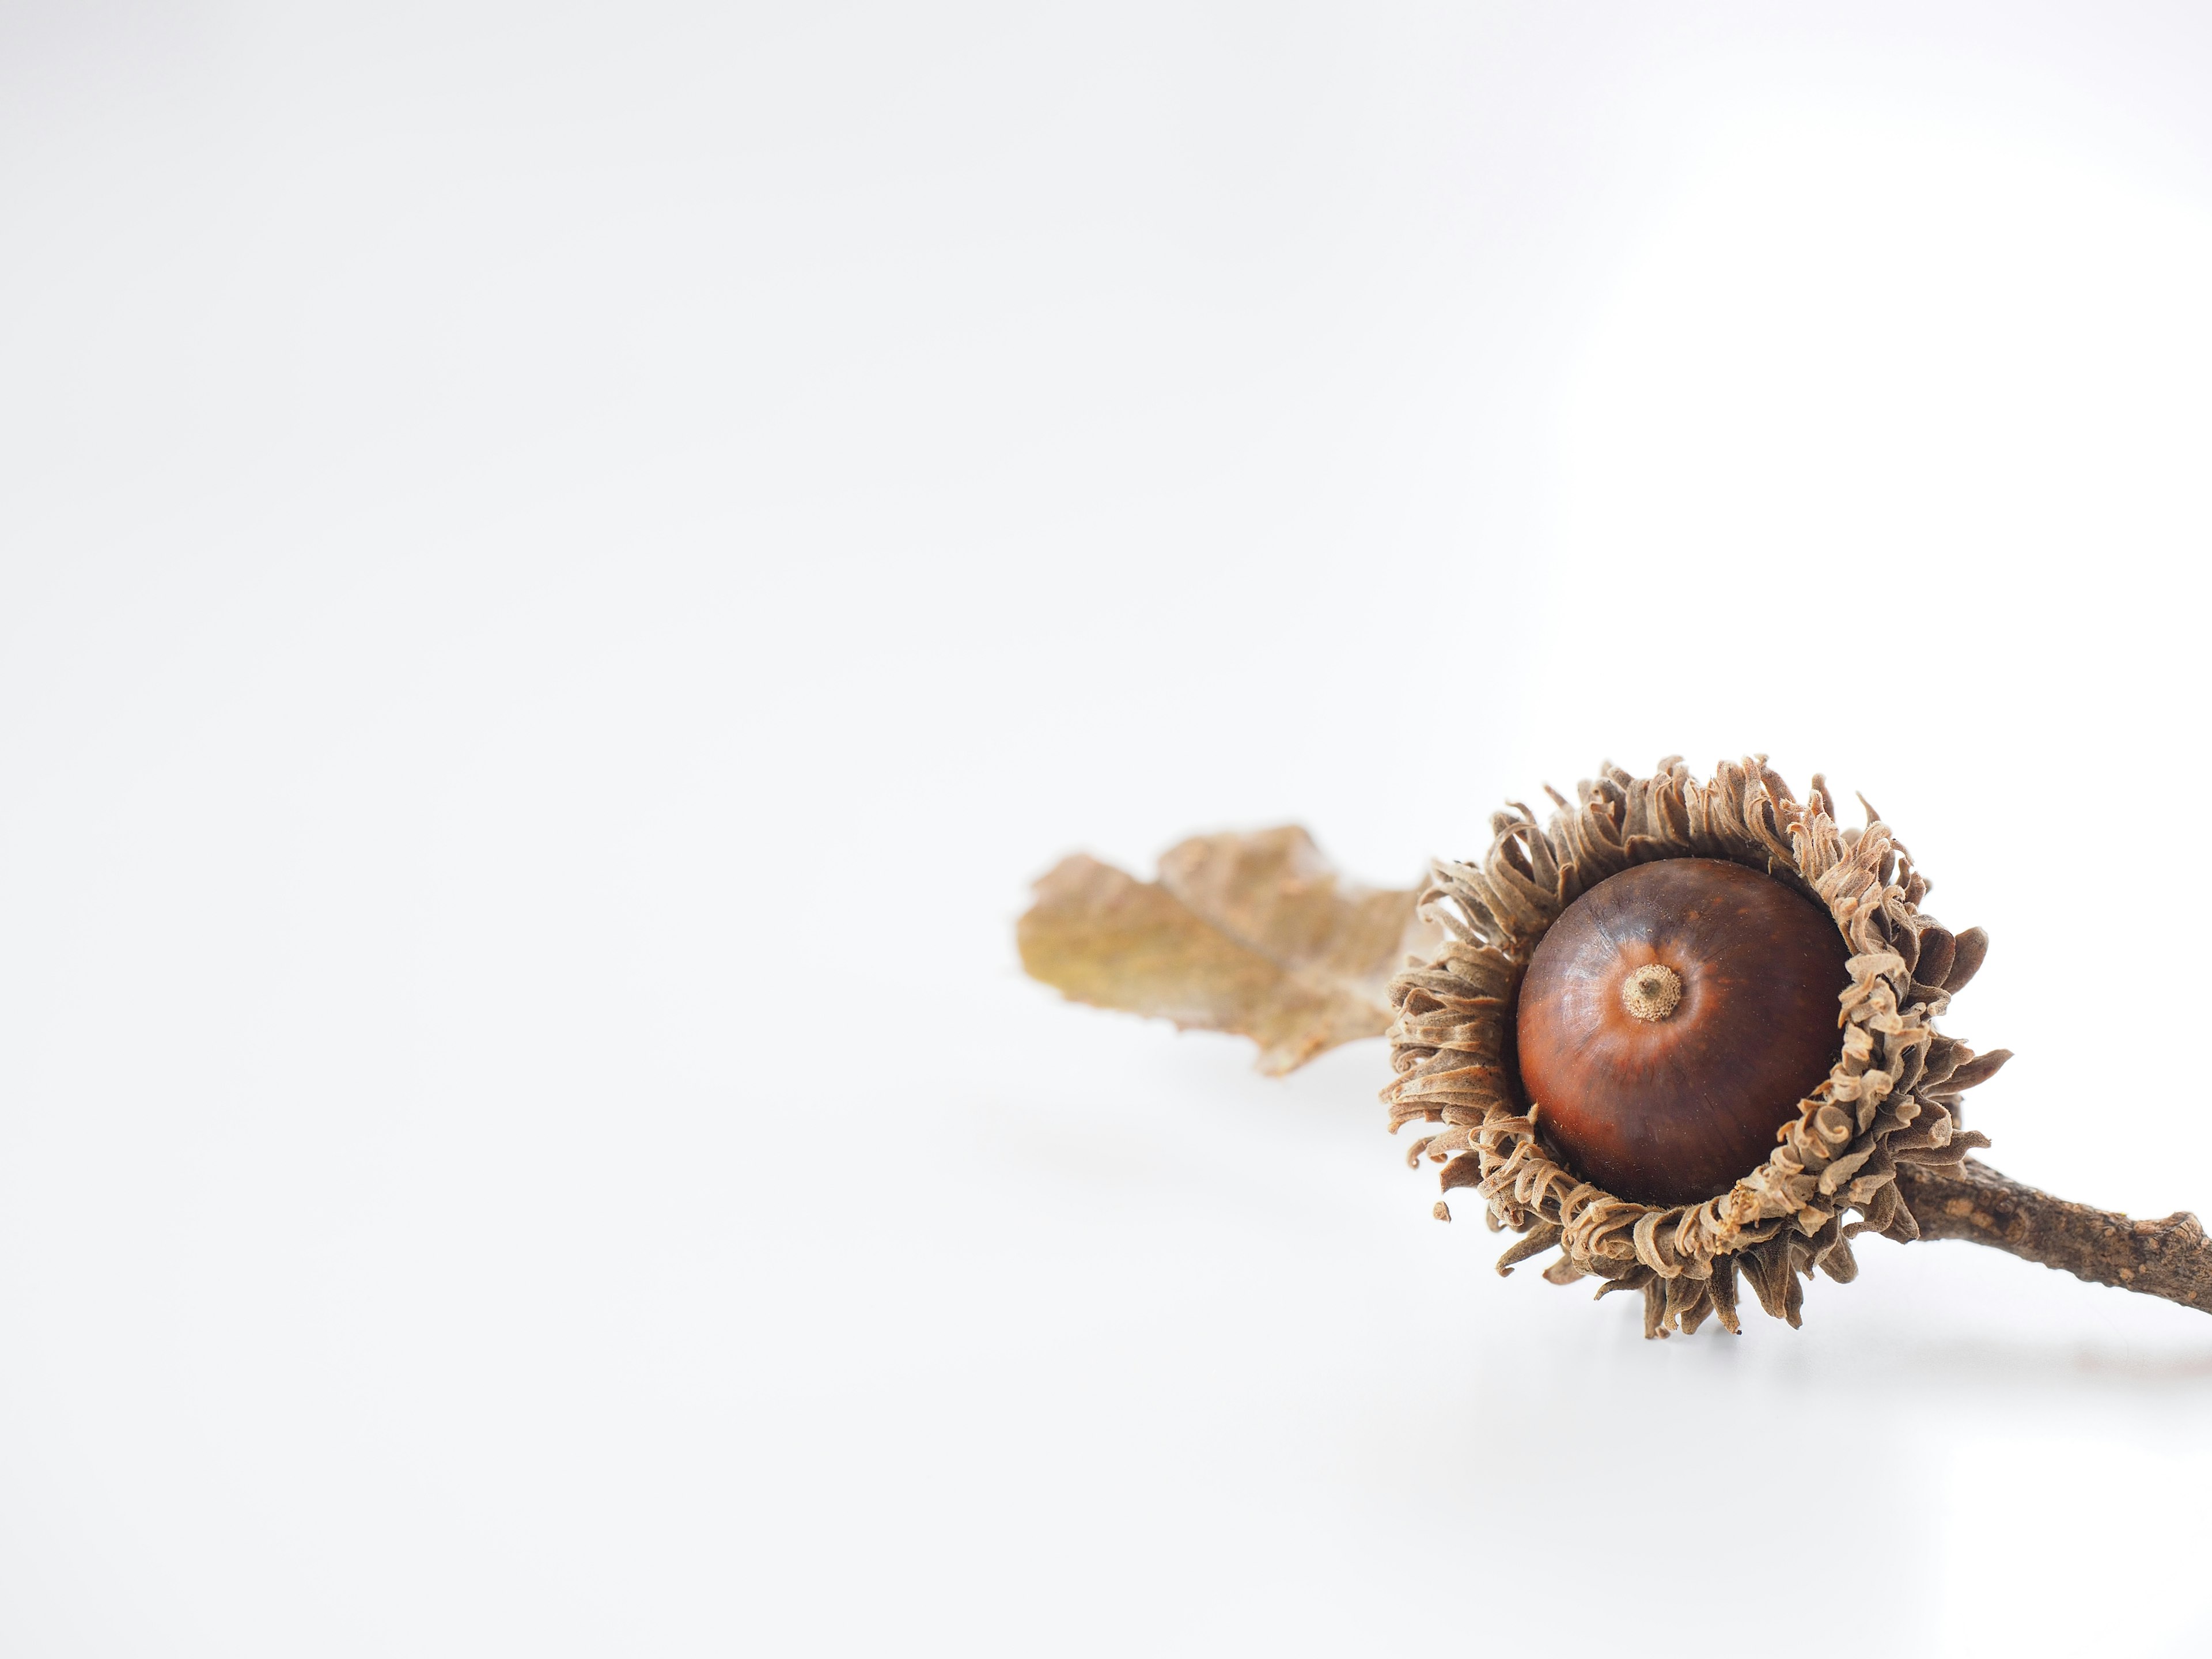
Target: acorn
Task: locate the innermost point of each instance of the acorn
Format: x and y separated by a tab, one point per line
1684	1032
1671	1020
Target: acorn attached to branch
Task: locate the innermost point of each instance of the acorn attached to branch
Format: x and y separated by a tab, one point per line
1683	1033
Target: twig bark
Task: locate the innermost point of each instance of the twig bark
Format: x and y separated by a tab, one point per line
2170	1258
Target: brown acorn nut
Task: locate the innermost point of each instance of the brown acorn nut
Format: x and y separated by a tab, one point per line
1671	1021
1859	1149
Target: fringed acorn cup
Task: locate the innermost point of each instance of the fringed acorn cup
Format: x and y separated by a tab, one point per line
1682	1032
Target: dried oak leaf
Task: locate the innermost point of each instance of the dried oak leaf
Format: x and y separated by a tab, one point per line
1255	934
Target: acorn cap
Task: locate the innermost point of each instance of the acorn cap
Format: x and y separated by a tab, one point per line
1892	1096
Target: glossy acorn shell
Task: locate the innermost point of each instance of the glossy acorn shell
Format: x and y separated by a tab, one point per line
1677	1109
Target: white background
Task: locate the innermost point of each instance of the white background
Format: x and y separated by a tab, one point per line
561	568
